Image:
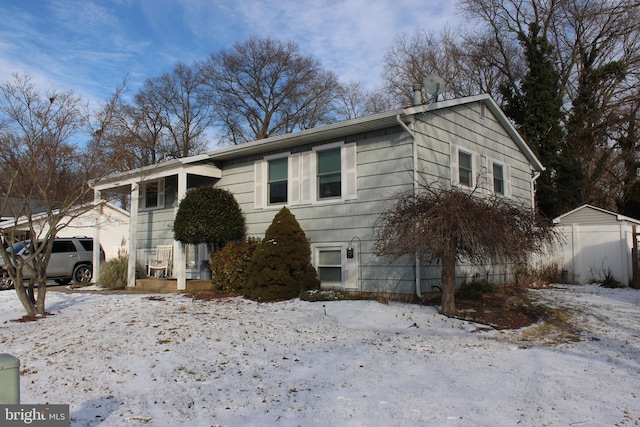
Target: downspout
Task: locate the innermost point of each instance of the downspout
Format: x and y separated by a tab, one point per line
535	176
417	100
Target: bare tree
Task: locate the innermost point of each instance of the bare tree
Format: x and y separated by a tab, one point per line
448	225
169	117
176	102
138	134
44	171
265	87
353	101
465	67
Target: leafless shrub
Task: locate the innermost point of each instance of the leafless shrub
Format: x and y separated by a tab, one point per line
448	225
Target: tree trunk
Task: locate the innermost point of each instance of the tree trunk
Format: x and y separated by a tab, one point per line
25	298
42	290
449	281
33	305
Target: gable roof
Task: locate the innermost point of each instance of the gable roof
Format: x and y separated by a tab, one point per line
592	215
369	123
318	134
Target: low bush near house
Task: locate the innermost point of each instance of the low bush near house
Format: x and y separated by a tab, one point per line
474	290
230	265
314	295
113	274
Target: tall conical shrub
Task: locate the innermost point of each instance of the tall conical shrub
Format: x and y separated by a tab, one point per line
280	267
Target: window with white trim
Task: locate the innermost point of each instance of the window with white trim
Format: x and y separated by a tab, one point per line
498	178
335	268
329	173
153	194
330	266
323	174
465	168
277	180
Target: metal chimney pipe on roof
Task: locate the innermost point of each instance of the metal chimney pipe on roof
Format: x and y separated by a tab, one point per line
417	94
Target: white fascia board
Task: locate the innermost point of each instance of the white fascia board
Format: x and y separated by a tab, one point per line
160	170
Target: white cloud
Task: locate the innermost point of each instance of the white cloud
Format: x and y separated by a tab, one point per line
90	46
349	37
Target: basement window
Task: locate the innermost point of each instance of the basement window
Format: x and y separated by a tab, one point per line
329	266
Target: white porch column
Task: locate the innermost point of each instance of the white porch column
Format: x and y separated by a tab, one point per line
97	199
180	259
133	245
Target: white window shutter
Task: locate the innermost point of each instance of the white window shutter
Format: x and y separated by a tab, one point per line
454	165
161	193
307	176
259	183
350	174
507	181
490	185
294	179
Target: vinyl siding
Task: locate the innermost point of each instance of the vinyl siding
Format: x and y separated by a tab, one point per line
464	127
341	221
155	227
588	216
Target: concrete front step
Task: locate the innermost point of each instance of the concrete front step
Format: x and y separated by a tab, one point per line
170	285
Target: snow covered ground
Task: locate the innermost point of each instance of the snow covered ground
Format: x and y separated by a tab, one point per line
169	360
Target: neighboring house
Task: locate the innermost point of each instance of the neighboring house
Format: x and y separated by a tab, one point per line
598	243
336	180
12	207
113	221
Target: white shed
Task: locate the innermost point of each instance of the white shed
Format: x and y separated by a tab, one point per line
598	244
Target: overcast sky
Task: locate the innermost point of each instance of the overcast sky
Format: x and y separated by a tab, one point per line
90	46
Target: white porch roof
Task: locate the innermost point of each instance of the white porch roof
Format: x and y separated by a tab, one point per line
193	165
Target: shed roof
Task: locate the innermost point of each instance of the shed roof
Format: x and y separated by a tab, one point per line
592	215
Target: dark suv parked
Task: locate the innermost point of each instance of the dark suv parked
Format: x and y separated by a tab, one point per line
71	259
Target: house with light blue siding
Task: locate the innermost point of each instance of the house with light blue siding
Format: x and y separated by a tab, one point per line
337	180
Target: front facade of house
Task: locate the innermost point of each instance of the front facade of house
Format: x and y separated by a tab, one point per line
337	180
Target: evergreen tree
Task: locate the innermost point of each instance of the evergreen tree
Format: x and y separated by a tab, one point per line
587	148
280	267
631	204
536	108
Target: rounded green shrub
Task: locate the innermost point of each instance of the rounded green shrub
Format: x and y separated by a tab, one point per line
114	273
230	265
208	215
280	267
